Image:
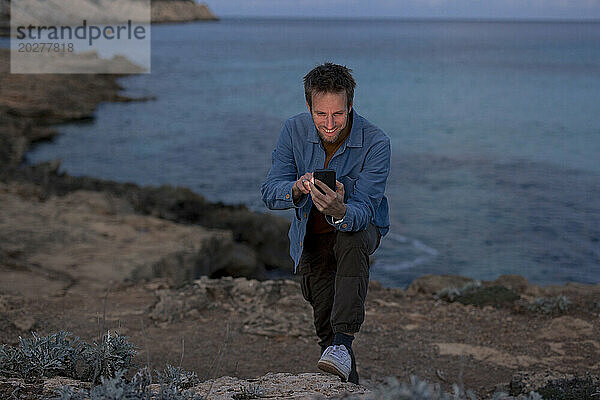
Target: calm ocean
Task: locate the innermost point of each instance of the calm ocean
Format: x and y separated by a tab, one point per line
495	130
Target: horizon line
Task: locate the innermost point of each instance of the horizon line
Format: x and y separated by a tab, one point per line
419	19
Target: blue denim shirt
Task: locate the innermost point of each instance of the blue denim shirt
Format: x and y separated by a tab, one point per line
362	165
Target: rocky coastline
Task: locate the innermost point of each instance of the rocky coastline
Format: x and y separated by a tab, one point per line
165	11
29	107
75	251
162	11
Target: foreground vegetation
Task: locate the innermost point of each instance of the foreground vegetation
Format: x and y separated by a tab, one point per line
106	366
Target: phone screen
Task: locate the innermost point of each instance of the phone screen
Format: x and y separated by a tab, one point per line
327	176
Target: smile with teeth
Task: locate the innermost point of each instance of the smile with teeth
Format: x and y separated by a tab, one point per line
330	130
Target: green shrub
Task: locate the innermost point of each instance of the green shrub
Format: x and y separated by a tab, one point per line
249	392
118	388
417	389
177	377
114	353
477	295
550	305
62	354
52	355
452	293
105	363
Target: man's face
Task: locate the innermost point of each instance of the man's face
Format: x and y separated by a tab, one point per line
330	114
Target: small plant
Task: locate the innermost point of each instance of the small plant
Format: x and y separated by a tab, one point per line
114	353
417	389
452	293
69	393
35	357
118	388
10	360
550	305
475	294
249	392
105	363
178	377
62	354
172	393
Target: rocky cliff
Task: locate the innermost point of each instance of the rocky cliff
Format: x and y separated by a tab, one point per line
180	11
106	11
31	104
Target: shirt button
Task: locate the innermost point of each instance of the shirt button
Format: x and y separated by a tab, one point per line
300	244
304	215
287	196
344	226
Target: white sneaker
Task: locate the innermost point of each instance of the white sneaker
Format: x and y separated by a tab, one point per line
336	360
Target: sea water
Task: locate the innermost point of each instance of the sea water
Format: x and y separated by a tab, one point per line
495	132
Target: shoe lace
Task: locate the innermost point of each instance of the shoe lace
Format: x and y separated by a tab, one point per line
339	351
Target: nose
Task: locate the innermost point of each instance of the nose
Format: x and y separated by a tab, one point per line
330	122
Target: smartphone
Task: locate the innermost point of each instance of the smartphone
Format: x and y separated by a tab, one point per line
327	176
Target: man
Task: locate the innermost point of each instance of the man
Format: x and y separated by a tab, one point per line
333	233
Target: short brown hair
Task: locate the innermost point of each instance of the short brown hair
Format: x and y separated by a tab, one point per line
329	78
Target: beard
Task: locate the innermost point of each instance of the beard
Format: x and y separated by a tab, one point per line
336	137
330	139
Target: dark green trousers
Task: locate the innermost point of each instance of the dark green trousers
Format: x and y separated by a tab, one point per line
335	279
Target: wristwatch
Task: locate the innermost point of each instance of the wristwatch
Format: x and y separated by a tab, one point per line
338	221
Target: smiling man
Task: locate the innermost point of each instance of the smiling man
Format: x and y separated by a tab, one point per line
333	232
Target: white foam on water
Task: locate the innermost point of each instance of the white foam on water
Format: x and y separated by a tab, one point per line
417	244
423	247
396	237
429	253
403	265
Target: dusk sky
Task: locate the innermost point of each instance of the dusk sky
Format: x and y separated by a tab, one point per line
523	9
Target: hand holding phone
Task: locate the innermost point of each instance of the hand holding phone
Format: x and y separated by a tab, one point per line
327	176
327	204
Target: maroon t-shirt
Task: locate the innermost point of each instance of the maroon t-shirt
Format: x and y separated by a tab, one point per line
316	220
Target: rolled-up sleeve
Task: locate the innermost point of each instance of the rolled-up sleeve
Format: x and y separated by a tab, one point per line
277	189
369	189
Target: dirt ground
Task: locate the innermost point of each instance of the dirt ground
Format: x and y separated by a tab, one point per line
404	334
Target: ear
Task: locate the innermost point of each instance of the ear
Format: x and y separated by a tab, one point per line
308	106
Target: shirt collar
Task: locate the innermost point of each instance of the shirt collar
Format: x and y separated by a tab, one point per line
355	139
